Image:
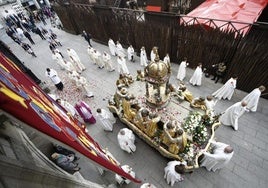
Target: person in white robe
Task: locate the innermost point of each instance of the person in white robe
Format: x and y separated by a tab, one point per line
167	59
227	90
147	185
196	79
130	53
76	60
19	33
97	59
126	140
53	75
122	66
54	56
106	118
53	96
210	104
153	53
232	114
82	82
111	46
121	180
252	99
143	57
67	106
120	50
182	70
72	75
107	62
90	52
68	66
58	59
58	51
173	172
220	156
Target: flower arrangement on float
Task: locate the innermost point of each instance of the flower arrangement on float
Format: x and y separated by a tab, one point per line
195	125
189	153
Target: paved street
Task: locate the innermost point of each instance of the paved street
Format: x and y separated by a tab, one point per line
248	167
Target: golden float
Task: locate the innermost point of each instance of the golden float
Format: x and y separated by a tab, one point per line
164	117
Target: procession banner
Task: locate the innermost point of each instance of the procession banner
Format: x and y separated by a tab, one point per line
22	98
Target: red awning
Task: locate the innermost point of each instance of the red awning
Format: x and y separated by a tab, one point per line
242	13
153	8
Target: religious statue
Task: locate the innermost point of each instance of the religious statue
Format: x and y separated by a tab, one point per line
141	119
123	80
198	103
140	75
129	78
169	130
184	94
151	125
174	137
120	93
178	142
128	111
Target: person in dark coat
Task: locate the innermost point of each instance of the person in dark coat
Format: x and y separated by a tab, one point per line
27	48
28	36
10	33
17	40
25	24
87	37
66	162
31	18
39	32
52	46
61	150
52	34
220	71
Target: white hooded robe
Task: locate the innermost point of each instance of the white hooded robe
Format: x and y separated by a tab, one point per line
196	79
182	71
82	82
120	50
166	59
218	159
97	59
107	120
121	65
69	66
107	62
76	60
126	141
170	174
90	52
111	45
152	55
130	53
143	58
252	99
68	107
128	170
231	115
226	91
